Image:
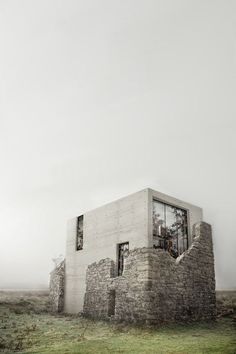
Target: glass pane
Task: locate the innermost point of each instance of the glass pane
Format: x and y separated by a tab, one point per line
171	231
80	225
159	229
158	218
185	243
170	220
181	220
169	228
181	242
123	249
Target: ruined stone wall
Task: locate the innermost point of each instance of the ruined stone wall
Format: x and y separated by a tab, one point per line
156	288
56	288
97	291
198	276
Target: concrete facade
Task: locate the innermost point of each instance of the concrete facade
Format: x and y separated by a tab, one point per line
126	220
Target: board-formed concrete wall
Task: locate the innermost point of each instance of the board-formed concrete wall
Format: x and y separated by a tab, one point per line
56	288
125	220
156	288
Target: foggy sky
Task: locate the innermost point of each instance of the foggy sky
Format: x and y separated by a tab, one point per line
99	99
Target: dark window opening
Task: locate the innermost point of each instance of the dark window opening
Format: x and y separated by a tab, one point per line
170	228
123	249
111	302
79	233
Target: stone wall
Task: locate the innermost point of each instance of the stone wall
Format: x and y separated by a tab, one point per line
56	288
156	288
97	291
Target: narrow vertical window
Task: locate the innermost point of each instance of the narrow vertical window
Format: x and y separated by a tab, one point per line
80	233
123	249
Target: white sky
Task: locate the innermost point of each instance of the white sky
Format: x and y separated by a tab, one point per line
99	99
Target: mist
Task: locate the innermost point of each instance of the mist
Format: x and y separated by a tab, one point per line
100	99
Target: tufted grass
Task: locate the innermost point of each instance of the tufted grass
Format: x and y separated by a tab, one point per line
26	326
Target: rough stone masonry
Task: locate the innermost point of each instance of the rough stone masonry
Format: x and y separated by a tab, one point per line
154	288
56	288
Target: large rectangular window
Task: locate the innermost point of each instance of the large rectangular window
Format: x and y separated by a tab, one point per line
80	233
170	228
123	249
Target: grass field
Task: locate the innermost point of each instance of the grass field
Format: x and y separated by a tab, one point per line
26	326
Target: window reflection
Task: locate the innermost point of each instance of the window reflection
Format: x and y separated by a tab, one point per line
169	228
79	235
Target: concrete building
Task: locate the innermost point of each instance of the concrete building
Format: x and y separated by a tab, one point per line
139	251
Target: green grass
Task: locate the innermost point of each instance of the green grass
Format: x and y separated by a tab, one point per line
26	326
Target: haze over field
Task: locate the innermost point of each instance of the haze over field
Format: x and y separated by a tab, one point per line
99	99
